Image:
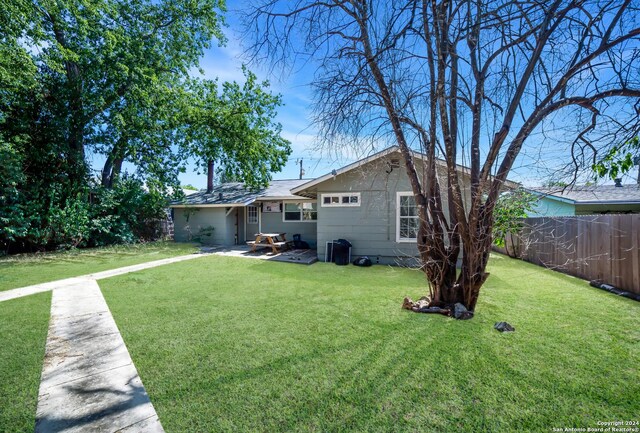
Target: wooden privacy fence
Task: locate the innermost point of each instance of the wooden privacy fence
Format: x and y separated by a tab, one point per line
593	247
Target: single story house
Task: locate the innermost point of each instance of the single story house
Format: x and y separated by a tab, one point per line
369	203
586	200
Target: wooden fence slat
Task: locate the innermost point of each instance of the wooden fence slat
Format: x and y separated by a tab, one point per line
602	247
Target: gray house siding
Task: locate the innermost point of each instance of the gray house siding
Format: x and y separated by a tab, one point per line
370	227
272	223
190	221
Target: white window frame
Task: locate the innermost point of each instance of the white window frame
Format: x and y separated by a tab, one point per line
301	220
249	219
398	238
340	195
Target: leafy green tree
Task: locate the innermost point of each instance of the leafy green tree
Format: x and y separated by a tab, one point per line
232	125
113	78
618	160
511	208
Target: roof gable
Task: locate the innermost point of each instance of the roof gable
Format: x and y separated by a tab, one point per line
375	156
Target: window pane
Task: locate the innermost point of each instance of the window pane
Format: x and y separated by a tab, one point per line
252	215
404	228
326	200
335	199
413	228
309	215
345	199
292	207
408	228
354	199
408	206
292	216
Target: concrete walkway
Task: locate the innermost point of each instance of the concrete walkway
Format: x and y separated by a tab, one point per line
45	287
89	382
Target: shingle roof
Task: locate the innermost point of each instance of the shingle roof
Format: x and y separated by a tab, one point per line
595	194
235	193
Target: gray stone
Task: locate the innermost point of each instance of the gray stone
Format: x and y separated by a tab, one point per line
504	327
460	312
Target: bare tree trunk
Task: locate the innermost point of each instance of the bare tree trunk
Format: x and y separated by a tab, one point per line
113	165
210	172
445	73
75	139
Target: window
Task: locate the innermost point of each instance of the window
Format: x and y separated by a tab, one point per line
406	218
306	211
342	199
252	215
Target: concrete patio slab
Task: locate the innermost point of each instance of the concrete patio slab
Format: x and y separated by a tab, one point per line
305	257
89	382
301	257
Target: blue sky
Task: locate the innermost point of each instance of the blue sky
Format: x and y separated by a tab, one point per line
225	63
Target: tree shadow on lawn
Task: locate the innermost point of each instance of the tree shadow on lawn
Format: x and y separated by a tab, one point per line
377	367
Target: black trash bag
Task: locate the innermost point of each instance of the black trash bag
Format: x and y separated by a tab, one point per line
362	261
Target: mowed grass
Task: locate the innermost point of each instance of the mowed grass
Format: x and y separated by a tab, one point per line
230	344
27	269
23	334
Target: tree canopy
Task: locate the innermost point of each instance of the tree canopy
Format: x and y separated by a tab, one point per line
115	79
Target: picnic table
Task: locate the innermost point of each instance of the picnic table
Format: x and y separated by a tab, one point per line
275	241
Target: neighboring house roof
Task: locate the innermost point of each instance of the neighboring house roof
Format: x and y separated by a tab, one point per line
235	194
589	195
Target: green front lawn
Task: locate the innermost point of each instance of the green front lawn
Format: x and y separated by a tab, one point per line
27	269
23	334
229	344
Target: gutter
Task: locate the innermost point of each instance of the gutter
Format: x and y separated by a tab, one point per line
178	206
606	202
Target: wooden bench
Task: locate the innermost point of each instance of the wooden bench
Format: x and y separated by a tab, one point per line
254	244
276	247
